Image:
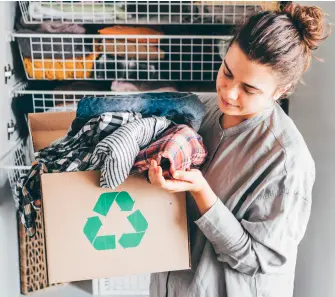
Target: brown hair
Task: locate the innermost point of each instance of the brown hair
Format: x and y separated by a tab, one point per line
284	40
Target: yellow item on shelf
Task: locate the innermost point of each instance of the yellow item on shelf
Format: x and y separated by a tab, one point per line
54	69
129	30
130	50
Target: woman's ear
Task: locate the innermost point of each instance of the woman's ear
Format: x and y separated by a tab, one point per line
280	92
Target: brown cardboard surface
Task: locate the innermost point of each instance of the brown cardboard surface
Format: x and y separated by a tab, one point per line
48	127
51	121
68	201
42	139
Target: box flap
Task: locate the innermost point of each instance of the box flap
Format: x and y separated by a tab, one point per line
75	249
46	128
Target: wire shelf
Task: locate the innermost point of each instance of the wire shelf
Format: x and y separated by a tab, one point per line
57	100
136	285
142	12
17	161
128	57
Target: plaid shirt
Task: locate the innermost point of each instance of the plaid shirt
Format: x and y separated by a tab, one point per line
72	153
179	148
115	155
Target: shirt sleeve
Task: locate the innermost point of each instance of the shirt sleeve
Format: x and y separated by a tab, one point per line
264	239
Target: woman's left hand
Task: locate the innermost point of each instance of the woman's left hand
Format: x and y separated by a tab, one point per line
192	180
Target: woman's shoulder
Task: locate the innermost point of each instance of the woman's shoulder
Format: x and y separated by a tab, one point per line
289	139
209	100
289	166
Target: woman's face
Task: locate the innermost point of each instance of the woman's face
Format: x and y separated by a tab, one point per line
244	87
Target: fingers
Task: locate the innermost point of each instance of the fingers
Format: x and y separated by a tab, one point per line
188	176
174	186
183	180
156	177
156	174
153	164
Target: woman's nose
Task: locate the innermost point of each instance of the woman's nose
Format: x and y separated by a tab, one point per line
230	92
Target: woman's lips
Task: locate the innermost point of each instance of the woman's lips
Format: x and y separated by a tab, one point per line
225	103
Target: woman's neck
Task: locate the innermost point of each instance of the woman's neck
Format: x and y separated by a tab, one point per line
229	121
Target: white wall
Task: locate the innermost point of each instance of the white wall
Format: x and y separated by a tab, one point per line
313	110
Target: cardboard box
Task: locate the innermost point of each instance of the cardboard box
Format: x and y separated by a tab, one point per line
93	232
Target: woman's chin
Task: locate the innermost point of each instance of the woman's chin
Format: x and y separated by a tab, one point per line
229	109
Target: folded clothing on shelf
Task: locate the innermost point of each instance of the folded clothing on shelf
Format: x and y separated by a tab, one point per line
51	47
53	69
90	11
109	67
129	30
50	27
221	12
130	47
130	50
136	86
67	101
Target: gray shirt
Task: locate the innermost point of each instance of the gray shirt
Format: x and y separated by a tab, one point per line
246	244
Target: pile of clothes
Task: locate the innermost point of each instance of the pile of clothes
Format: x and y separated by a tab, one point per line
119	136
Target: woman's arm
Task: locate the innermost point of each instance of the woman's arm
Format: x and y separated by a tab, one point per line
262	242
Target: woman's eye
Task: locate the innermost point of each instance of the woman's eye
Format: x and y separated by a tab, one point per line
248	92
227	74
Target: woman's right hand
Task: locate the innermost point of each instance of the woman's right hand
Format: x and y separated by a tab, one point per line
182	181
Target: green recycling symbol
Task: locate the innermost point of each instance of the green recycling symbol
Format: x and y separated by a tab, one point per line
102	207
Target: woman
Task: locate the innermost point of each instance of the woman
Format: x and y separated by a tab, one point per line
251	201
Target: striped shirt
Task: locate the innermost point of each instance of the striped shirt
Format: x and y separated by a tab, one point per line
115	155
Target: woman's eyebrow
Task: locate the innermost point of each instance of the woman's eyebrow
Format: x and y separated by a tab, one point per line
225	63
252	87
247	85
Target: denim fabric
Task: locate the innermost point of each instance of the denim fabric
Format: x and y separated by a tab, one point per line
181	108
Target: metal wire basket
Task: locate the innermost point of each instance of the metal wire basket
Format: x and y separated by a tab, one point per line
129	57
142	12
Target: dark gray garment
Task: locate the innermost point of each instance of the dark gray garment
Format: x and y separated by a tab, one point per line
55	47
52	48
110	67
51	27
246	244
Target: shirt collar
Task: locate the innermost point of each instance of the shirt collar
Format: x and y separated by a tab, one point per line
244	126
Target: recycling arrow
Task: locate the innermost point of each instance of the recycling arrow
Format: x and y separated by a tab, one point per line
102	207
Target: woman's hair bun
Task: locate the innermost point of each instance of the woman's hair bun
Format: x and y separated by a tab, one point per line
310	22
